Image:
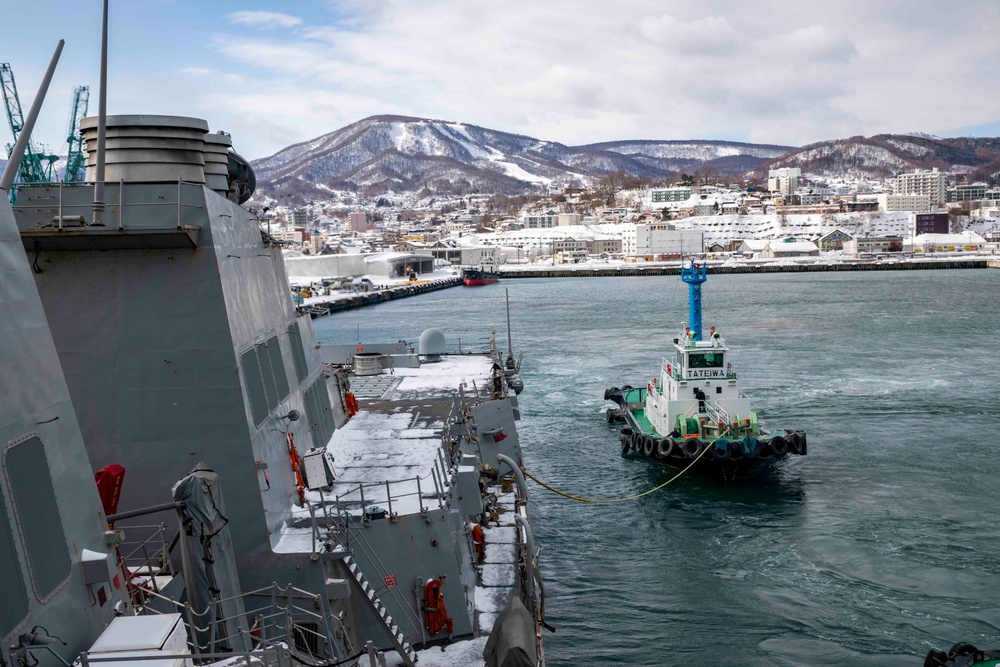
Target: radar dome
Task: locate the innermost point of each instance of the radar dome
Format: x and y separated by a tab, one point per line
432	345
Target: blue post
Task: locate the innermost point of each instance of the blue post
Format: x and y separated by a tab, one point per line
694	276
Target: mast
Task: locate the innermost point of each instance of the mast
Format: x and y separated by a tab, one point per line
102	125
17	153
510	344
694	276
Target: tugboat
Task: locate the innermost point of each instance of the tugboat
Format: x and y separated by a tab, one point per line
696	405
475	277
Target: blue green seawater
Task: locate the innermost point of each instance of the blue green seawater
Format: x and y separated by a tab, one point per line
880	544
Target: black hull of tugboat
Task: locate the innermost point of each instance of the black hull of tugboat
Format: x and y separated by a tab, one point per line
731	457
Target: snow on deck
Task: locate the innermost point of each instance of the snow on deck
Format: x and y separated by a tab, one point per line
374	448
383	444
441	379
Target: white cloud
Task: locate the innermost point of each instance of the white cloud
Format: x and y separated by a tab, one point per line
265	19
581	72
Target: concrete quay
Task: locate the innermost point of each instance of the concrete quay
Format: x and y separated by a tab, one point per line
347	301
641	270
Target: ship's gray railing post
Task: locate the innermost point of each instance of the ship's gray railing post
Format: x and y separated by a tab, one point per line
522	487
121	204
529	561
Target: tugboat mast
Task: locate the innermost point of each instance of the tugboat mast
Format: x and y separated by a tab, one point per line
694	276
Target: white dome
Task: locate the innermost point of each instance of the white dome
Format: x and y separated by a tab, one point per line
432	343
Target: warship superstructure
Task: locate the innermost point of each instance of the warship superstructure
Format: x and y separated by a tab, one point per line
255	475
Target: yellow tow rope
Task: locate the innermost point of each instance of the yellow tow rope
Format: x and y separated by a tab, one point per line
619	500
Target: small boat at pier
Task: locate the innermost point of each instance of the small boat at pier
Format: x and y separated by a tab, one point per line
694	409
480	276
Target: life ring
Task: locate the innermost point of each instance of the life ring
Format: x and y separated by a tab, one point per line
648	446
797	443
720	454
691	447
779	445
665	448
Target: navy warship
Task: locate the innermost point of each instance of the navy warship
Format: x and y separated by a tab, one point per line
262	498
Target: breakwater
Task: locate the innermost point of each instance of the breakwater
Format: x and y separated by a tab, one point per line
347	301
616	271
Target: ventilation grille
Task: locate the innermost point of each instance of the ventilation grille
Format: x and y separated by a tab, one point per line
13	596
255	386
298	352
266	379
38	515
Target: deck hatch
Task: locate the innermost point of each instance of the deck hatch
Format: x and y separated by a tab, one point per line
255	386
12	585
298	353
34	501
277	367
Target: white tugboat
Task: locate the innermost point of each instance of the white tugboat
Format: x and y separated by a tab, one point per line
695	404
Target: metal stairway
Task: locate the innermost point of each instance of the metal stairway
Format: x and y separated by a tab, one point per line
403	647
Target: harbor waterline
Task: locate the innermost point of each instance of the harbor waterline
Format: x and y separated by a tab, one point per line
871	550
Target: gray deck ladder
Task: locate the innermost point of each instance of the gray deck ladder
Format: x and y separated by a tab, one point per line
360	582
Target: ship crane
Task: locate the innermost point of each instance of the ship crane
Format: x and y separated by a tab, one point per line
36	166
74	155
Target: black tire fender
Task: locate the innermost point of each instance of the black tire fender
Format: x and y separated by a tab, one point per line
719	453
665	448
691	447
779	445
648	446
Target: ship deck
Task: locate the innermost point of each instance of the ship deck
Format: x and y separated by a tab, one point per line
387	453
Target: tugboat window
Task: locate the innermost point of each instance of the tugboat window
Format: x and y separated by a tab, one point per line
705	360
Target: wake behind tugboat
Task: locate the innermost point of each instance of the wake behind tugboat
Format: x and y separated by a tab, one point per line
696	405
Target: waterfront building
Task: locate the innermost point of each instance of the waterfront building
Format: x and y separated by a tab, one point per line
664	195
973	192
896	202
297	218
645	240
872	245
790	247
541	220
783	181
932	183
357	221
929	223
604	245
834	240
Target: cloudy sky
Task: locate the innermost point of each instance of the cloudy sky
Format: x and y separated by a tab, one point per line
580	71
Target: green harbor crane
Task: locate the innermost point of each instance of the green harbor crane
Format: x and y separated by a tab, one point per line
74	156
36	166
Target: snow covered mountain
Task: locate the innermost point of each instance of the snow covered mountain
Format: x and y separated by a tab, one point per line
890	154
403	153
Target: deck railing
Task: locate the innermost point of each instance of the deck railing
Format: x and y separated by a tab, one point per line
34	206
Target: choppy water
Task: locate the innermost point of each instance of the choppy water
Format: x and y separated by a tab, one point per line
882	543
